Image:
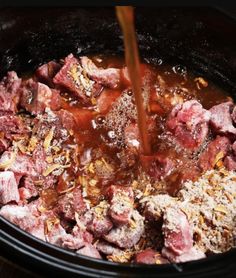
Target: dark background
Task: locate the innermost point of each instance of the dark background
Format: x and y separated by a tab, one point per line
14	3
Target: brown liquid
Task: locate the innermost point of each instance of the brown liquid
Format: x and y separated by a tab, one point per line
126	20
165	87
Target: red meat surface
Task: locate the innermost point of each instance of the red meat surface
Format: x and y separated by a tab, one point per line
189	123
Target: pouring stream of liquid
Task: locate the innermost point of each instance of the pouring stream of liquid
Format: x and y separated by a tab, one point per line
126	19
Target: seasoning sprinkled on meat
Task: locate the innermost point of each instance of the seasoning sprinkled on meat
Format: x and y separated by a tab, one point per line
215	151
154	206
97	219
107	77
70	203
189	123
22	217
191	255
9	96
128	235
89	250
36	96
177	231
121	204
221	120
73	77
73	172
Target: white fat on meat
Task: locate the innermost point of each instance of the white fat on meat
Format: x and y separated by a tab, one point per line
8	188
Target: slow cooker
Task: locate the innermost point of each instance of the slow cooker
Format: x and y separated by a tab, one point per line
202	39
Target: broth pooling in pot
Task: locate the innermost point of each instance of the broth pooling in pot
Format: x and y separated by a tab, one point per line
73	172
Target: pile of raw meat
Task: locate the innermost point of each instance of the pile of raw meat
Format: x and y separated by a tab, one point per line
68	179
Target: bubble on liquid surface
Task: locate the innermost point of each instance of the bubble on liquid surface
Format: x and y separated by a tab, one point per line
122	113
111	134
180	69
154	61
100	120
